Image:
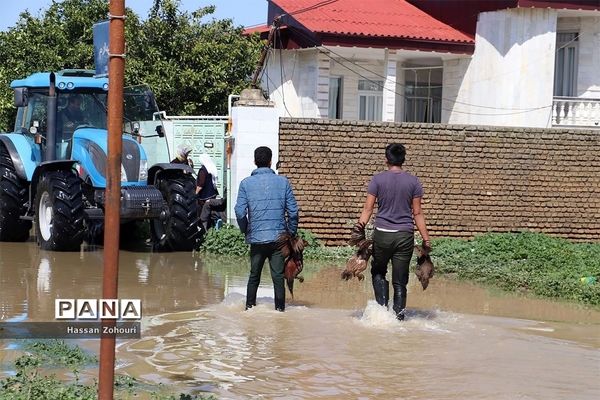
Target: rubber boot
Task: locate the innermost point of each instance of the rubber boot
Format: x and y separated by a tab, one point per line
280	305
387	292
399	305
381	290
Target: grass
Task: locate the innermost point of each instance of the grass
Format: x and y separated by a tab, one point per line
33	377
525	262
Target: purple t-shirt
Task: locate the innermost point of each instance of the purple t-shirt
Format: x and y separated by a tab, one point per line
395	191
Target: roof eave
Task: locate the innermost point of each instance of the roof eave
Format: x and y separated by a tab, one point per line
438	46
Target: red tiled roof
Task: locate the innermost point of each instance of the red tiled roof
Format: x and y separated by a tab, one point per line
371	18
258	28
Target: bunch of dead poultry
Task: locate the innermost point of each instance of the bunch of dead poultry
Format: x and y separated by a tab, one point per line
292	248
356	264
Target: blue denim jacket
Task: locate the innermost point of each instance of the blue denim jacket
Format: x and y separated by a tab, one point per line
263	200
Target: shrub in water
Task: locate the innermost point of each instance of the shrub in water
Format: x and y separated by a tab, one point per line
228	240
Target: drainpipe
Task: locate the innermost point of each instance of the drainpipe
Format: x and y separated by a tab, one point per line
50	154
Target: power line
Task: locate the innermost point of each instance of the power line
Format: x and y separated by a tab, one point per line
282	71
310	8
378	84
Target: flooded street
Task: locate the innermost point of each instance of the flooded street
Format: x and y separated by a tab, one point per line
459	341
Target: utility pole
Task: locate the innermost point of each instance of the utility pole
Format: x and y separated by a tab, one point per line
260	65
116	74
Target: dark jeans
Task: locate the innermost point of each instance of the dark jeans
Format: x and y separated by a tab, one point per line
258	254
398	247
212	207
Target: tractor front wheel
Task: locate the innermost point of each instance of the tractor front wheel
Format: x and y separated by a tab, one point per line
59	211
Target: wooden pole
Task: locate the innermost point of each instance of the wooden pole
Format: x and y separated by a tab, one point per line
116	73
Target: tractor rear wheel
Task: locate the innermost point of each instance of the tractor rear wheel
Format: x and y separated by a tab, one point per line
179	231
13	197
59	211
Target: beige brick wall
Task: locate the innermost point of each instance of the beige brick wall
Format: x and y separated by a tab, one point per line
476	179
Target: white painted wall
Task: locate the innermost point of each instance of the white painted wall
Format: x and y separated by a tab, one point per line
588	76
351	75
323	67
510	72
251	127
293	88
390	85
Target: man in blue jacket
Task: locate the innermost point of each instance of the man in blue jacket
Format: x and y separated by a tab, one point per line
264	199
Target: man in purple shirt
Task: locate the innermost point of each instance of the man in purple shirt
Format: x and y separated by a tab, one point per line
398	195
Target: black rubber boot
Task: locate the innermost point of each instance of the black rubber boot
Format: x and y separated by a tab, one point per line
399	305
280	305
387	292
381	288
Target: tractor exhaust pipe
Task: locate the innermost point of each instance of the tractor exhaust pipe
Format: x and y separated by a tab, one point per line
50	154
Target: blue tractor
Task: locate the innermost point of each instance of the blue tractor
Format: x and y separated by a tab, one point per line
52	167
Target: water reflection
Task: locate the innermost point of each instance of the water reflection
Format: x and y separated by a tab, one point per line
459	341
31	279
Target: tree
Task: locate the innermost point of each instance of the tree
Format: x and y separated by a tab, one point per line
191	65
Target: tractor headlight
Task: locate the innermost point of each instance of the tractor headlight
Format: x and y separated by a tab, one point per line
143	175
123	174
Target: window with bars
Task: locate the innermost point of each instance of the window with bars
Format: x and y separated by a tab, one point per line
423	95
370	100
565	64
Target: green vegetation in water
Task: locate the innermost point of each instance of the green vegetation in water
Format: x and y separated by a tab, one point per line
31	380
230	241
525	262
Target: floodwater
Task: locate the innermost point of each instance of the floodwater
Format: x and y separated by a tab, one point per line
460	341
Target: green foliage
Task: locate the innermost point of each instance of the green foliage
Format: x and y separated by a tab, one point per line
191	64
317	251
231	242
526	262
29	382
57	352
228	240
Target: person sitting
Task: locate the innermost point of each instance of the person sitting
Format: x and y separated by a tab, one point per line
183	157
207	192
70	117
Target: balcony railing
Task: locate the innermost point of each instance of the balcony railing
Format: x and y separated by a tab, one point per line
576	112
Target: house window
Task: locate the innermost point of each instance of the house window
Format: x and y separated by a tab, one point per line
565	65
335	98
423	95
370	100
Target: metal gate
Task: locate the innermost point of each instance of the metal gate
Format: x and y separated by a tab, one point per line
202	135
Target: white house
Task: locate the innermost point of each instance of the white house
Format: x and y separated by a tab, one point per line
523	63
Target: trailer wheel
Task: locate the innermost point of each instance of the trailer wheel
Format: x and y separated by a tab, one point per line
178	231
59	211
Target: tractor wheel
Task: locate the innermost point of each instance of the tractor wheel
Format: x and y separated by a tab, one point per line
13	196
59	212
179	230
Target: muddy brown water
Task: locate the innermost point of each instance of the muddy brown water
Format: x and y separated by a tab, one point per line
460	341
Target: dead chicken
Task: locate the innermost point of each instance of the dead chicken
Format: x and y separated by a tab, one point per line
425	267
360	260
292	248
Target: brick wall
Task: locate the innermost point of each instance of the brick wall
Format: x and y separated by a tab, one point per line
476	179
